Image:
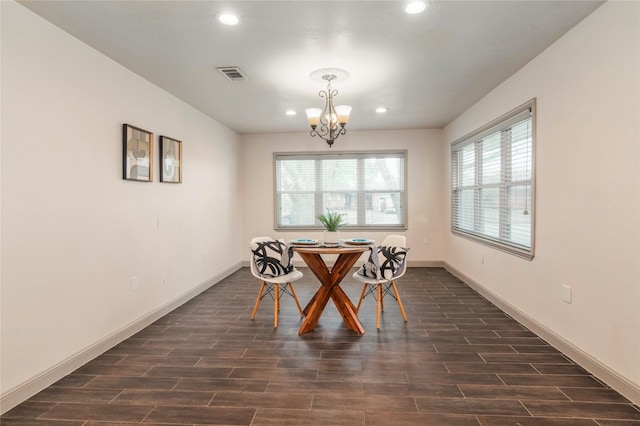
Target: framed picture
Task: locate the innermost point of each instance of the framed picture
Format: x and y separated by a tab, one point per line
170	160
137	154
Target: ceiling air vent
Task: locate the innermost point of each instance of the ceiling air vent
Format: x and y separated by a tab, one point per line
232	73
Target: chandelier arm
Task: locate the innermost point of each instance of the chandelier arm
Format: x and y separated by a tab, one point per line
329	114
327	100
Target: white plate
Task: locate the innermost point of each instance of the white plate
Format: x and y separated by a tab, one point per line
358	241
304	241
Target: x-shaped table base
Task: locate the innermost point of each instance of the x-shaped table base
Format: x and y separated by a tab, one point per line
330	288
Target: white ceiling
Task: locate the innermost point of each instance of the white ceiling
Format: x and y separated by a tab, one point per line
426	69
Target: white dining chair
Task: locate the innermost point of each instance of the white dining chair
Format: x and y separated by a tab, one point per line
274	286
379	287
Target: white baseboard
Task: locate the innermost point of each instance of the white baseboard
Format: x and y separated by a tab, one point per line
425	264
622	385
26	390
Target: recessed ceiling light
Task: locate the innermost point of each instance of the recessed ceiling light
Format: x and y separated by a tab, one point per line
290	112
228	19
381	110
415	7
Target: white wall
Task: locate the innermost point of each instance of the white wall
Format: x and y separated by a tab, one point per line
73	232
587	87
425	183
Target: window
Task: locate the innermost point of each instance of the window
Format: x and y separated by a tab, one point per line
368	188
492	183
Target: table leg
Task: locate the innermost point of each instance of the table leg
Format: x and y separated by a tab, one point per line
316	308
347	309
306	309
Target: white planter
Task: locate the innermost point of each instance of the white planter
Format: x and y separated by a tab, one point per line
331	237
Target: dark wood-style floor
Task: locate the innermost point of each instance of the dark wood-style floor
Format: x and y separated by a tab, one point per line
458	361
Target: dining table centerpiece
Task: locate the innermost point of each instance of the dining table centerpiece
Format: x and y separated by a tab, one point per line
332	221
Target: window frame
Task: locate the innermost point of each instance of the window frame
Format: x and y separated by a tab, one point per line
501	124
336	154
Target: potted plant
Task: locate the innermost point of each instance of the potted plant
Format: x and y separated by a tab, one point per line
332	221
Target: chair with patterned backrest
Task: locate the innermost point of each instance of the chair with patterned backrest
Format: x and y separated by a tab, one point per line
267	255
379	277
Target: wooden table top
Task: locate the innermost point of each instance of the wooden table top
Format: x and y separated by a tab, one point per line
339	249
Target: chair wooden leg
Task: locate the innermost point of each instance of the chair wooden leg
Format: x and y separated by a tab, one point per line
395	291
364	289
276	305
255	308
295	298
379	306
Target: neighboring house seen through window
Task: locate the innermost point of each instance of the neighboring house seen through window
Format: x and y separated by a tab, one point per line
369	189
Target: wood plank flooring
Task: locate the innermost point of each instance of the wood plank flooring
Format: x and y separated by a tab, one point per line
458	361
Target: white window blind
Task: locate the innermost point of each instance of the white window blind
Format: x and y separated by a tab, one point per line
492	183
369	189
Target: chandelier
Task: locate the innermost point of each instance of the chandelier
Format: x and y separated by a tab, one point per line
328	124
